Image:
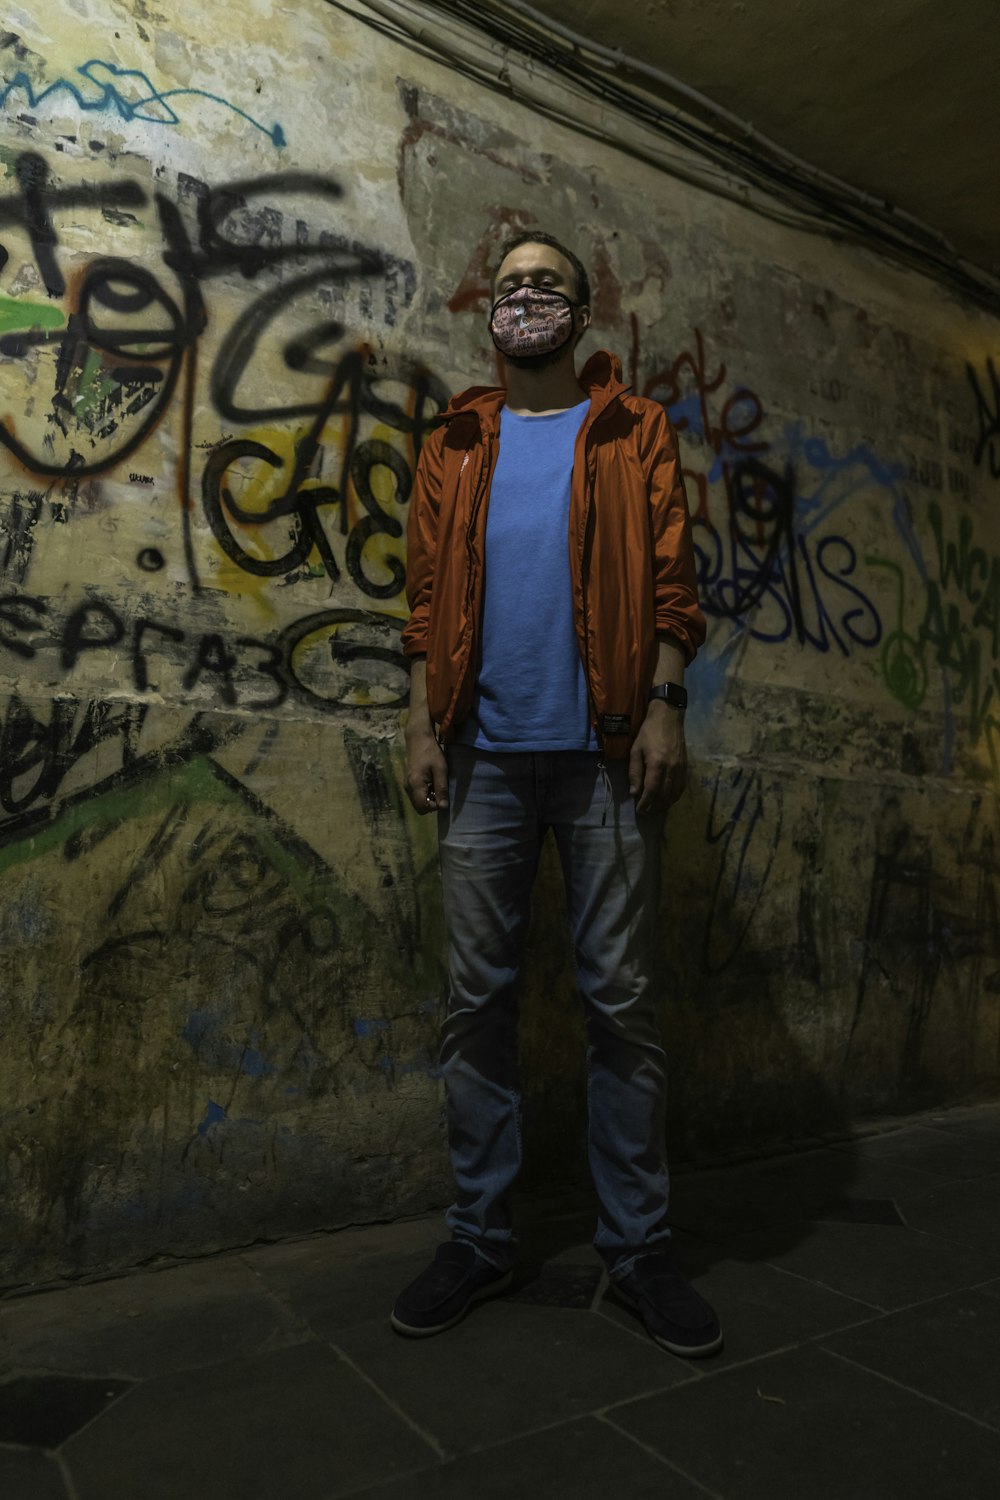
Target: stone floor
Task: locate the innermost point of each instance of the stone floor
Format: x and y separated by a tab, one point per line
858	1286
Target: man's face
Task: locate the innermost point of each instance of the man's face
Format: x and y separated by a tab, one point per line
533	264
536	265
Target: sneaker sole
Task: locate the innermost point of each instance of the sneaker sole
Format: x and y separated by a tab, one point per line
492	1289
686	1351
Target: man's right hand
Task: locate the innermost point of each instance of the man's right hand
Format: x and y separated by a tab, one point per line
426	772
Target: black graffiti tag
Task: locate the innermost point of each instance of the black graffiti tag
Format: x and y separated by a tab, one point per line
988	415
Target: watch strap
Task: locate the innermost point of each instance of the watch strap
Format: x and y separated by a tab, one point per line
671	693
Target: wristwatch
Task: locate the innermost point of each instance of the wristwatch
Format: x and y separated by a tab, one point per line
670	693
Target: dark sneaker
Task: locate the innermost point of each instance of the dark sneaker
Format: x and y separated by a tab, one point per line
674	1314
441	1296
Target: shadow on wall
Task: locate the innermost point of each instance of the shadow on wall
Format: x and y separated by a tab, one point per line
739	927
827	956
796	998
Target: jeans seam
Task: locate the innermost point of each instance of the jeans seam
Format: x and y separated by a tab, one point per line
515	1099
462	1240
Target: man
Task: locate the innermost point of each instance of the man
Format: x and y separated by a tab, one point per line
554	608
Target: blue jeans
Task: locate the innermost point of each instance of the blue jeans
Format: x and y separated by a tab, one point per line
500	807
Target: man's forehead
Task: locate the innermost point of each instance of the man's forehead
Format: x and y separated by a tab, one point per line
532	256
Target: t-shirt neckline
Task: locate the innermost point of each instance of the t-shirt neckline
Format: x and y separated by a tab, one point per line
544	416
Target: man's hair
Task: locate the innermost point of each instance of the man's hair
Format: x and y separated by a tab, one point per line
538	237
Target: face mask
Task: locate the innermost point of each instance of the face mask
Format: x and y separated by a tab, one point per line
531	320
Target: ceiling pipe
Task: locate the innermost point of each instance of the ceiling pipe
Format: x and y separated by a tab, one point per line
620	61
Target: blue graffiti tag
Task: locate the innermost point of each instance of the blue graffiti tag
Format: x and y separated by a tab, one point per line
775	582
113	84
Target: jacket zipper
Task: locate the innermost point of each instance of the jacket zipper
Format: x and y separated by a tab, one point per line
588	532
477	500
584	575
584	578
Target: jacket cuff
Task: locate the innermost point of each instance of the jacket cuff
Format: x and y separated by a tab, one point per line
414	643
687	638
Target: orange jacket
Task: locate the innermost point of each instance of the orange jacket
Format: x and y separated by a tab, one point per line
631	559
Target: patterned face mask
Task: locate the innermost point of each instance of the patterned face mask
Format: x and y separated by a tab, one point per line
531	320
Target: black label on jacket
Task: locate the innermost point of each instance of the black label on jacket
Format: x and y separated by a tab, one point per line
616	723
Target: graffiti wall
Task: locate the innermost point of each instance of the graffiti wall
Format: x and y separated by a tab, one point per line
242	268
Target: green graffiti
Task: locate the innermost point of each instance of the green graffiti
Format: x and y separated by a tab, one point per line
94	390
960	629
195	782
902	655
15	313
968	570
961	625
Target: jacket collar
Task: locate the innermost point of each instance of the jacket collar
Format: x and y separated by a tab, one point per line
600	378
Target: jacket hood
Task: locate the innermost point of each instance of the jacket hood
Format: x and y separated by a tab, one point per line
600	378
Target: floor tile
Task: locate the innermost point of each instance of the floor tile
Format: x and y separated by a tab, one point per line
585	1459
990	1288
947	1349
508	1368
950	1155
788	1190
981	1126
806	1424
27	1475
760	1309
863	1211
149	1324
966	1212
881	1265
556	1284
40	1411
329	1292
582	1253
296	1422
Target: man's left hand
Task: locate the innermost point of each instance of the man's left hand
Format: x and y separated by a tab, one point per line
657	768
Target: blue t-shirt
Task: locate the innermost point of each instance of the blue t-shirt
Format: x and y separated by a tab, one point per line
531	693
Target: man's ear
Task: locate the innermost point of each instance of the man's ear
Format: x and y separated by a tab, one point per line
585	317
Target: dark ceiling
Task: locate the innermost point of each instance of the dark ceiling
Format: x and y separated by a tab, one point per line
900	98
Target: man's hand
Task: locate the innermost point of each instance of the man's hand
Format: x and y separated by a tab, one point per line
657	768
426	772
426	767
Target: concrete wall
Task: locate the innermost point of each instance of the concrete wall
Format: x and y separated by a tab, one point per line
245	260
